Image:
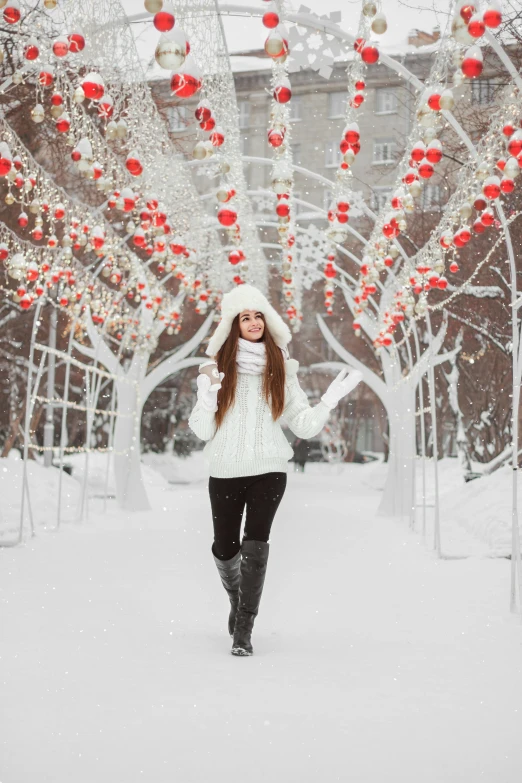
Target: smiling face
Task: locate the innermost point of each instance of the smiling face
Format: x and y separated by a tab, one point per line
251	325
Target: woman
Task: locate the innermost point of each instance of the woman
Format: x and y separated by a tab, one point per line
242	394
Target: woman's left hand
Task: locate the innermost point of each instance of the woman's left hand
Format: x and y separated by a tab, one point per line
341	386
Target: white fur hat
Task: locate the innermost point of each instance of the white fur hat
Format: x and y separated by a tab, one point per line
246	297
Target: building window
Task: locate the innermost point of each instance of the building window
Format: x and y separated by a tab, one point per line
332	155
483	91
385	101
295	108
379	198
336	104
244	114
296	154
177	118
384	151
431	196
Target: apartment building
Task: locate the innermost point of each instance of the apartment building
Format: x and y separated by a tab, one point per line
318	109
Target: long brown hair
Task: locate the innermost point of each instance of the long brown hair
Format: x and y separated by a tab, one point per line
273	376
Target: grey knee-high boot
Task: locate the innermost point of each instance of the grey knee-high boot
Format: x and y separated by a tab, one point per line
253	569
229	572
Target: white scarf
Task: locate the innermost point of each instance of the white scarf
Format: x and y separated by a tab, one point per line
251	357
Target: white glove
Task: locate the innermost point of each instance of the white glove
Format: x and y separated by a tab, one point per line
341	386
208	391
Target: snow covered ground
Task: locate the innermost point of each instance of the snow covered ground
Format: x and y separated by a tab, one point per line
375	661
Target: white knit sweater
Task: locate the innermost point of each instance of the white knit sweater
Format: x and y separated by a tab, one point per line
249	442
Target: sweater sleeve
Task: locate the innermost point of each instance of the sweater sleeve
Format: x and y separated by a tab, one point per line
202	422
303	420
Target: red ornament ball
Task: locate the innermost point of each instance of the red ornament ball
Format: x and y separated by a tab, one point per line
370	54
203	113
472	66
492	17
12	13
476	26
133	165
184	85
467	12
163	21
491	187
76	42
270	19
31	51
282	94
507	185
434	101
226	216
275	138
61	47
425	169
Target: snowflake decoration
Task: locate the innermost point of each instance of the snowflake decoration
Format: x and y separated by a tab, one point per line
315	50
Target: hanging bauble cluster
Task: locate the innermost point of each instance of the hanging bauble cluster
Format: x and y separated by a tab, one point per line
371	21
173	51
279	138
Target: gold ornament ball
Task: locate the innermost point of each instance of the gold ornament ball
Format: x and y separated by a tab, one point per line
153	6
111	130
379	24
369	9
199	152
415	189
50	4
56	111
79	95
9	199
274	45
17	77
459	30
447	101
37	113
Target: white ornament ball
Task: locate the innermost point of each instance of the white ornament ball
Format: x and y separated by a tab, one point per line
171	50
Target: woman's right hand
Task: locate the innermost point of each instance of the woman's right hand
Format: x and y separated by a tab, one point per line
208	390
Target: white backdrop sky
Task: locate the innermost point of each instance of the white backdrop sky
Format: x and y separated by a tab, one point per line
249	33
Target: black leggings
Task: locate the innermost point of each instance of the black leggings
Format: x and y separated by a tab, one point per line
228	497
